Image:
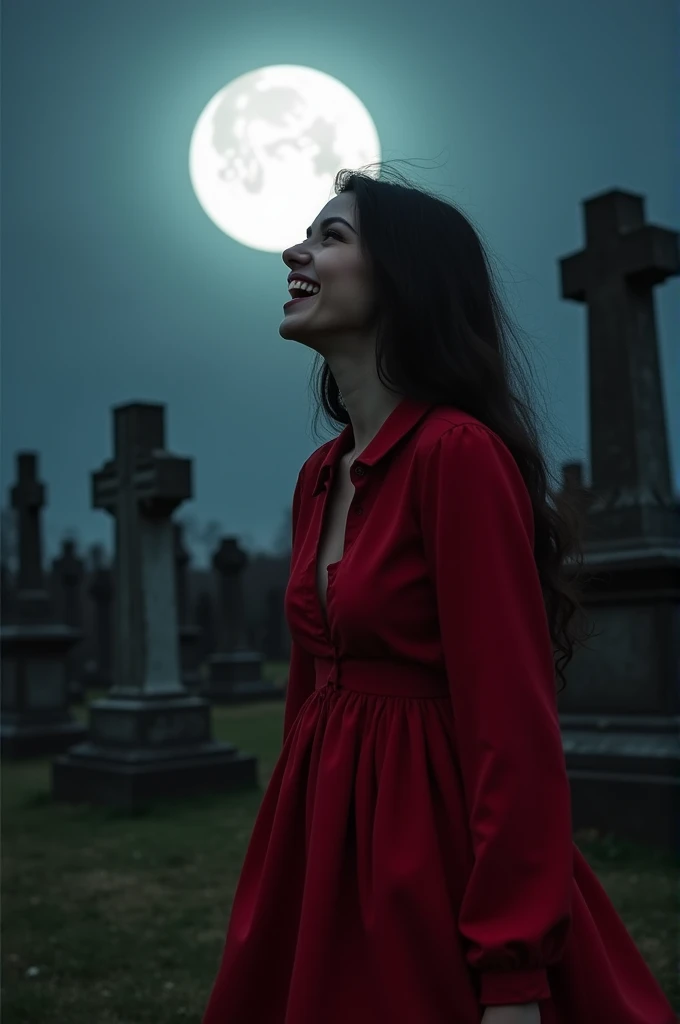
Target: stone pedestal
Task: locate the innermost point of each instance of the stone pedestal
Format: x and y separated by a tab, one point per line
149	738
620	711
142	750
36	720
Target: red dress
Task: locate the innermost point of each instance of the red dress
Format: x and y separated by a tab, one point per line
412	860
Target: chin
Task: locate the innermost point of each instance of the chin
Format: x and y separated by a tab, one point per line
293	332
286	329
291	326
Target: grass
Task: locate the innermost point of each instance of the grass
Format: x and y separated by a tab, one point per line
109	919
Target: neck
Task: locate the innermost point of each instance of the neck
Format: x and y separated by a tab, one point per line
368	408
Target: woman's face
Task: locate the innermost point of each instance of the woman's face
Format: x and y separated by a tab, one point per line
330	257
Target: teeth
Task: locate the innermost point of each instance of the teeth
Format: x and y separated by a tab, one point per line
304	286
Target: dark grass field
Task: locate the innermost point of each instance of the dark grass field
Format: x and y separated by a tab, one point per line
109	919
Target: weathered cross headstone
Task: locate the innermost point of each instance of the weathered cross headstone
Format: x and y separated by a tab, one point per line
205	620
234	673
621	706
35	646
187	631
574	486
68	570
6	594
100	591
275	626
149	737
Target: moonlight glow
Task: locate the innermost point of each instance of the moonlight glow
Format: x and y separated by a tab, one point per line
266	149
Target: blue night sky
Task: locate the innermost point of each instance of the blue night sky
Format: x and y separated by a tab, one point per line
118	287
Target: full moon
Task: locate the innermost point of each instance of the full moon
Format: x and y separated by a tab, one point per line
266	148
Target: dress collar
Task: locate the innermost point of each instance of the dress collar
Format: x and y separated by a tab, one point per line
398	424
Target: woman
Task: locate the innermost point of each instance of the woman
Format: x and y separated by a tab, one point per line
412	860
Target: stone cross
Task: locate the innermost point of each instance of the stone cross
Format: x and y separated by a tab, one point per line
141	487
229	561
69	571
234	671
205	619
614	276
188	633
28	498
101	592
149	738
35	648
275	624
619	713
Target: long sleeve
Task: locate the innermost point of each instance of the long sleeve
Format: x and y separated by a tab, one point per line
301	670
477	524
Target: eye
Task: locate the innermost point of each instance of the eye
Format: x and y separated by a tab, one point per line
329	231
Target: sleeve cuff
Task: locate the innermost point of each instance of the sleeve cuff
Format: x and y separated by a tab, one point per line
506	988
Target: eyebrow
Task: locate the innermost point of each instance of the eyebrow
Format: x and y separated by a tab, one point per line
331	220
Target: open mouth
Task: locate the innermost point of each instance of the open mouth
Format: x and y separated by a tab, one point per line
298	298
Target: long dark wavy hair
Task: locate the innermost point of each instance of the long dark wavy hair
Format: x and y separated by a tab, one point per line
444	336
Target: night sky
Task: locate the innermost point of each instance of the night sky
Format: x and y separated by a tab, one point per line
117	287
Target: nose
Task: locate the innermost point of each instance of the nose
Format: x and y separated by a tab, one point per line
292	255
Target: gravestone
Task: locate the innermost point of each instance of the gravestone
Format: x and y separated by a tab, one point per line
205	619
620	711
68	570
275	625
574	487
149	738
188	633
234	673
36	720
100	591
7	610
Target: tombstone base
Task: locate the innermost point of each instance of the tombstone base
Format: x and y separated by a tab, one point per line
625	777
145	748
24	737
236	678
87	774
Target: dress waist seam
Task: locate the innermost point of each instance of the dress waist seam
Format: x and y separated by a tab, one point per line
380	677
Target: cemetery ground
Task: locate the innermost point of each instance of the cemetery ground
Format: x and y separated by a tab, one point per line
109	919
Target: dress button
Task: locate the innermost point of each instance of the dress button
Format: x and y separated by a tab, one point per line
359	470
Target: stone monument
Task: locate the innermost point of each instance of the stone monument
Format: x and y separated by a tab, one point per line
36	720
68	571
205	620
275	625
149	738
189	633
234	673
620	711
6	594
100	591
